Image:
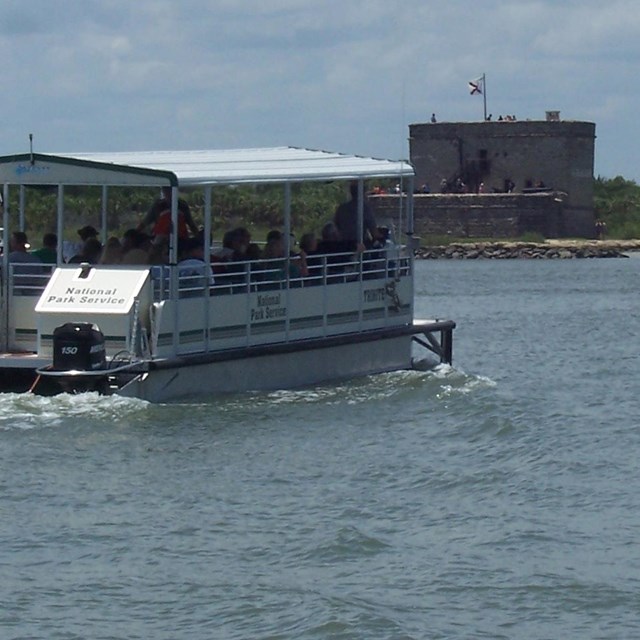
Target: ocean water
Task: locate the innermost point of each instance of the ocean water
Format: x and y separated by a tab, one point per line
498	498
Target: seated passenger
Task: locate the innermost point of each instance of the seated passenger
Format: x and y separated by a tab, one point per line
274	251
90	252
112	252
338	252
87	232
48	253
225	253
194	273
135	247
309	245
234	246
240	241
332	242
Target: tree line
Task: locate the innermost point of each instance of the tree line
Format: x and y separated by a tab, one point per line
617	202
258	207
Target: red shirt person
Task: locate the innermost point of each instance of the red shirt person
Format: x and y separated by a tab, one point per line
159	215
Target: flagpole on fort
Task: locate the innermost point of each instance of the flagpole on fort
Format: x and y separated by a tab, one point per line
479	86
484	95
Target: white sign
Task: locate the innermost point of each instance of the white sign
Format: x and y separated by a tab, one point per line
92	290
268	306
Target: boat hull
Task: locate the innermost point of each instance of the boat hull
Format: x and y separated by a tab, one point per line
271	369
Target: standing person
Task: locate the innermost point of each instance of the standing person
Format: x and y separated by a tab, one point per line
48	253
161	206
346	220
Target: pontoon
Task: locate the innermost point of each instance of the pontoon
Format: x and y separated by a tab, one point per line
154	333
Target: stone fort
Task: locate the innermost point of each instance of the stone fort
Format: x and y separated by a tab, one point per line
502	178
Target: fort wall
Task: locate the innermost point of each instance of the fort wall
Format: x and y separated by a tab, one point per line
544	167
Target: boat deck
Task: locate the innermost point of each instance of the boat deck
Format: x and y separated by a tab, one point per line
22	360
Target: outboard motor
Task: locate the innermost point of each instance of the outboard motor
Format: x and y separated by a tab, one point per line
79	347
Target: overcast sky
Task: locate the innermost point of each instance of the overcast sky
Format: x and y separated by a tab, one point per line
340	75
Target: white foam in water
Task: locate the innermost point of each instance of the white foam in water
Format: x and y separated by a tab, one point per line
28	411
381	386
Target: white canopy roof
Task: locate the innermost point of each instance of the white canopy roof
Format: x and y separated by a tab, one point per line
276	164
196	168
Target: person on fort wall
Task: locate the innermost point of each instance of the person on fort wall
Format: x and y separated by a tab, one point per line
159	216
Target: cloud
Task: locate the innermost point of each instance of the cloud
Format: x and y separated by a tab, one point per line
348	76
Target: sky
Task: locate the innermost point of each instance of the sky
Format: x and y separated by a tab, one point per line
340	75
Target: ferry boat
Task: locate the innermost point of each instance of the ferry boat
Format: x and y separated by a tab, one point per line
154	333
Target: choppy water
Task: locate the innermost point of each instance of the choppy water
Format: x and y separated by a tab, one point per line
495	499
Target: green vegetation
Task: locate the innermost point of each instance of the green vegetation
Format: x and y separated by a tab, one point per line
259	208
617	202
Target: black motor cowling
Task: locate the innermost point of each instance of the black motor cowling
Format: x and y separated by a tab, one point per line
78	346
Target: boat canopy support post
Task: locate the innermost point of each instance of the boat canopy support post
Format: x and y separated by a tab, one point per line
409	210
360	235
287	246
207	253
103	214
173	261
442	347
22	207
60	225
4	327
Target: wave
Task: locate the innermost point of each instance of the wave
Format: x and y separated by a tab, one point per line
438	381
29	411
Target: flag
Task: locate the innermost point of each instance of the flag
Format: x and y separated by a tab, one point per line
476	87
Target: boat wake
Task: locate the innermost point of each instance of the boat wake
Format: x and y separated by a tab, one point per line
29	411
439	382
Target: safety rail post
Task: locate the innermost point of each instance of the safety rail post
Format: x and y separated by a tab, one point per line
287	249
207	267
173	261
361	287
5	267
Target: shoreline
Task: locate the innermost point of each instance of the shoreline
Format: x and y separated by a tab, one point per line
548	250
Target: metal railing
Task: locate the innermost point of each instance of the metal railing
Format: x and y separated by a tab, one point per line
29	279
224	278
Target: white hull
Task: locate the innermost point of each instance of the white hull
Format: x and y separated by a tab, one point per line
270	371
